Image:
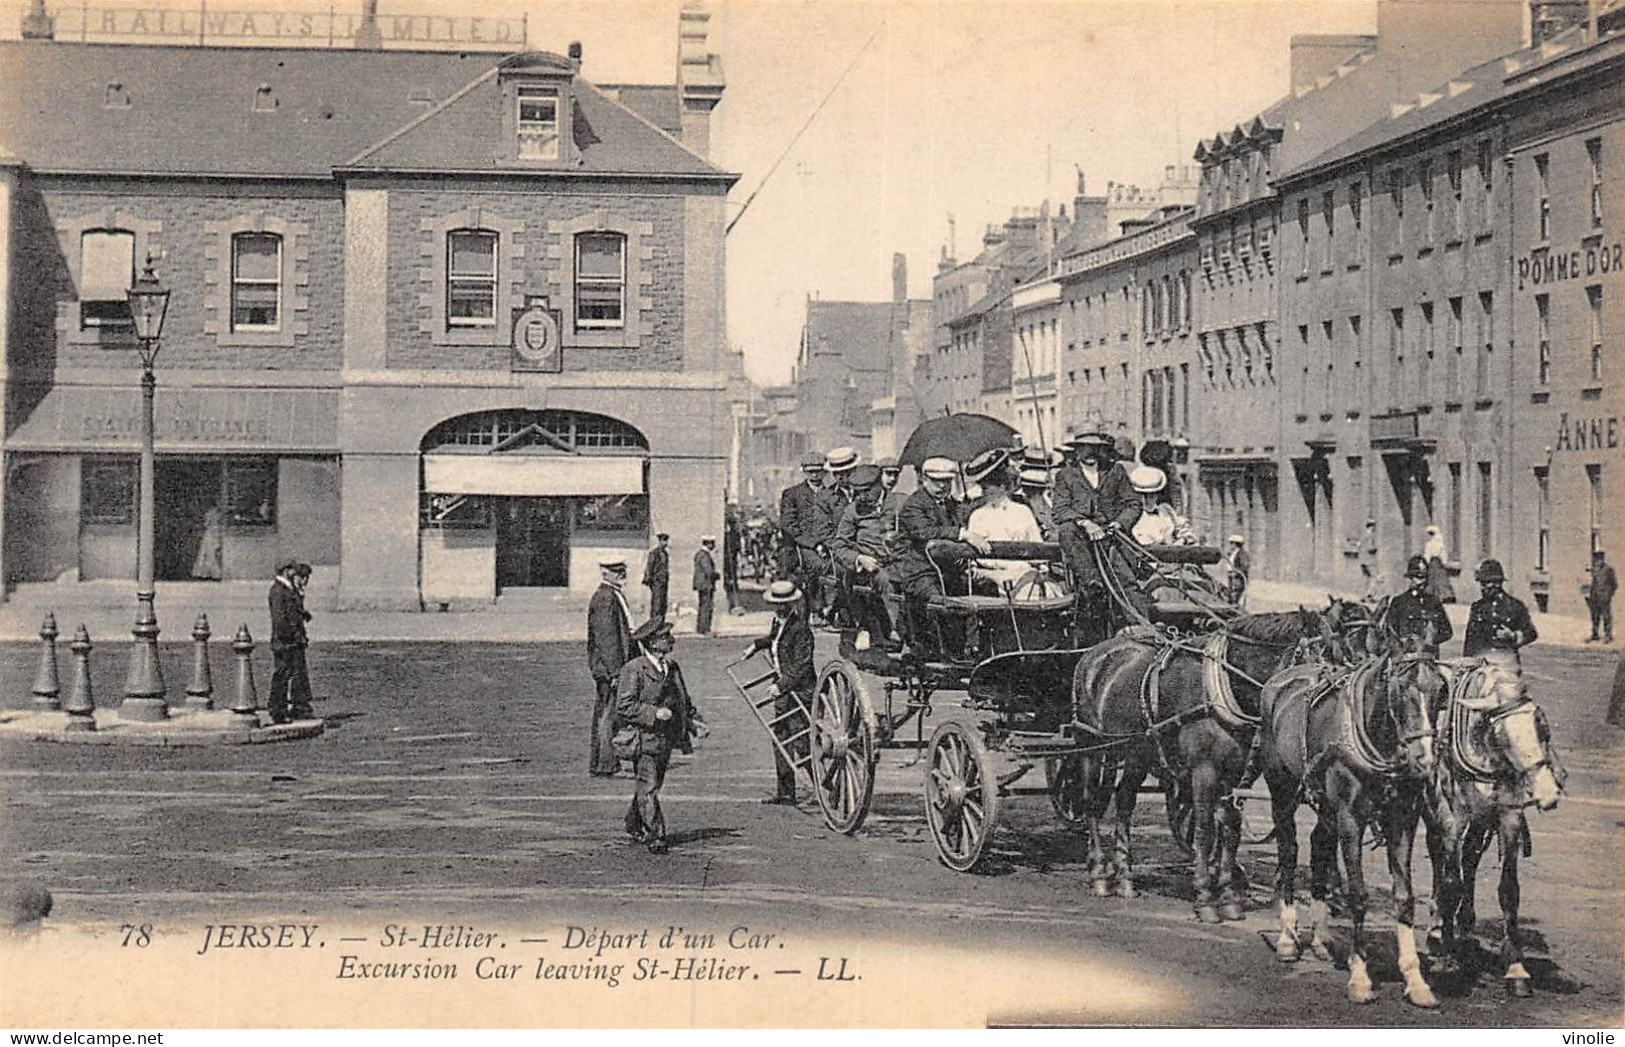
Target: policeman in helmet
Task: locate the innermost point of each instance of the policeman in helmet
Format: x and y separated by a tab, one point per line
1412	613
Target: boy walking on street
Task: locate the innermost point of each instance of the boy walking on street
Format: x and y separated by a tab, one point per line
654	704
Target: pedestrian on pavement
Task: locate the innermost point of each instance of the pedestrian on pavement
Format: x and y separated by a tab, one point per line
730	560
705	583
657	574
1417	612
609	632
1435	555
290	697
790	646
1238	569
1600	597
654	705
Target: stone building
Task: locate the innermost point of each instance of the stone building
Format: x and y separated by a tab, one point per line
444	323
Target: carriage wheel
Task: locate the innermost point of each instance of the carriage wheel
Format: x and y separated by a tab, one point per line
1181	814
961	795
1068	787
843	747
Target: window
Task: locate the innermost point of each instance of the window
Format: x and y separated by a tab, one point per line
1486	511
1185	293
1486	331
251	492
1543	326
1173	397
1453	172
1303	354
264	99
1594	300
613	512
600	279
1185	397
471	278
538	123
1303	232
256	281
1452	378
106	270
1357	360
1170	304
1543	200
1354	509
1328	391
107	491
1543	509
1328	214
1357	218
1396	356
1396	203
1424	178
1425	357
1486	184
1594	481
1594	153
116	97
1453	516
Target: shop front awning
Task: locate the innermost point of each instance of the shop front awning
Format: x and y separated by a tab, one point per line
529	475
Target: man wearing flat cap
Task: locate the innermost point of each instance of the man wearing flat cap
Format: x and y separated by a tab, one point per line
790	645
290	675
705	584
890	500
860	549
802	526
609	629
654	705
657	574
930	514
1092	497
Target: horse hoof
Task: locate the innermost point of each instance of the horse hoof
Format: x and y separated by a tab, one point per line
1232	911
1207	914
1361	994
1518	988
1423	998
1103	889
1126	889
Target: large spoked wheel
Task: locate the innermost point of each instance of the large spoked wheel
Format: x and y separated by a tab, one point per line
1068	787
843	747
961	795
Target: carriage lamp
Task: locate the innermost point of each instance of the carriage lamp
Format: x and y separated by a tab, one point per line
145	698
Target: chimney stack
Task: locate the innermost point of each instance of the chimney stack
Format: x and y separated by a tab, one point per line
367	36
37	25
899	277
699	76
575	51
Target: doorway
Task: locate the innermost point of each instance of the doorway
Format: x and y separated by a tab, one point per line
533	542
184	490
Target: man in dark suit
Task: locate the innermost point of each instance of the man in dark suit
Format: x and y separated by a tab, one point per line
802	526
831	503
1499	622
609	629
930	514
1092	496
1600	590
1417	613
790	645
657	574
290	674
653	701
705	584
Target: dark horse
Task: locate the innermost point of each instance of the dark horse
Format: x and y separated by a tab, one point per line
1358	743
1495	758
1185	708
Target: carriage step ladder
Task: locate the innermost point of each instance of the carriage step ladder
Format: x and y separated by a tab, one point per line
755	692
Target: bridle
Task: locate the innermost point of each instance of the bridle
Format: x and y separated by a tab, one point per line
1415	660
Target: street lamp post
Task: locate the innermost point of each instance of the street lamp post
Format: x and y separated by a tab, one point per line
145	697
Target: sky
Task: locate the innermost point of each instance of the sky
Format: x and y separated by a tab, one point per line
951	107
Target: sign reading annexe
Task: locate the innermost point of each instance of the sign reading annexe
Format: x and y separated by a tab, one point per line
282	27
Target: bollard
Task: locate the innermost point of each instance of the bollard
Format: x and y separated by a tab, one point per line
47	686
81	705
200	692
244	710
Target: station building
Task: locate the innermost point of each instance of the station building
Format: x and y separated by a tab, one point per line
445	323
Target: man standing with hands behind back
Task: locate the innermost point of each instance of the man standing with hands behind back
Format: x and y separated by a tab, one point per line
657	574
705	584
609	630
290	674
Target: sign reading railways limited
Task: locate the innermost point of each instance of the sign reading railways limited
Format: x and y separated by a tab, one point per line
89	419
308	28
1542	265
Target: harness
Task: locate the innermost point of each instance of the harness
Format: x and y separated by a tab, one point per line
1467	681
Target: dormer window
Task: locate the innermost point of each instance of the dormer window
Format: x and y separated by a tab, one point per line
264	99
537	122
116	97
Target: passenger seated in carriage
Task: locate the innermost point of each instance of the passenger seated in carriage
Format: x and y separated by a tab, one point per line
860	548
931	515
999	519
1158	524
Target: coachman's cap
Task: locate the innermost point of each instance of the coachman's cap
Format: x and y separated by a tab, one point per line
1490	571
812	460
1416	567
651	630
613	563
1147	479
865	476
987	465
1090	439
841	459
939	469
888	465
783	591
1035	478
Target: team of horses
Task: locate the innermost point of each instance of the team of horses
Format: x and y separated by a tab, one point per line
1334	710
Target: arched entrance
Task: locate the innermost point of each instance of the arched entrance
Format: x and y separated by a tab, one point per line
524	499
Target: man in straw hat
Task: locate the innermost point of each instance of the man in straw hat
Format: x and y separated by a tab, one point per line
831	503
654	705
860	549
1092	496
609	643
790	645
802	526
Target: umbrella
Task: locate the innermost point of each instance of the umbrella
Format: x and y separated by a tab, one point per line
957	436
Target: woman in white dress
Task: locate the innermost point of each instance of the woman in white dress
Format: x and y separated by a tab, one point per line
1158	523
1000	519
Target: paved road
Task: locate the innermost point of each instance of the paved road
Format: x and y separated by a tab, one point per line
451	787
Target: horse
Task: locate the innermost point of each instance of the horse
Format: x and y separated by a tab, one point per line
1358	743
1187	708
1495	759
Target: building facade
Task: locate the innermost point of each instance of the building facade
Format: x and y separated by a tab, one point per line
445	323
